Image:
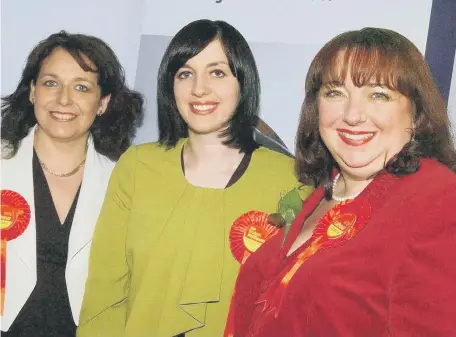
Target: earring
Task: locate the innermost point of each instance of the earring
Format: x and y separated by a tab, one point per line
99	113
32	99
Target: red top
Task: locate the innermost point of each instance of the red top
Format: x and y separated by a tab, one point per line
396	277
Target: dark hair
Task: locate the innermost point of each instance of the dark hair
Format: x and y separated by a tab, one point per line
187	43
113	131
388	58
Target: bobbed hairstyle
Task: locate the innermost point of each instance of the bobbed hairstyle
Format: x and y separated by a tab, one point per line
187	43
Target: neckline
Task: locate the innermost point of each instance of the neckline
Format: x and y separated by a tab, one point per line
375	193
240	172
40	177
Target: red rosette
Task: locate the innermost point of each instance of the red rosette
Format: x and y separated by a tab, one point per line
15	215
342	222
339	224
248	232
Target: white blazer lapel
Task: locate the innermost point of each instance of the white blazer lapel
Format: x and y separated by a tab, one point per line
97	172
17	175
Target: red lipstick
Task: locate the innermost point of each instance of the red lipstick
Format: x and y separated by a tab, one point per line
360	137
203	108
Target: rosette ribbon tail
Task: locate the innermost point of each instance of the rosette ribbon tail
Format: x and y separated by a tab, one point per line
273	297
3	275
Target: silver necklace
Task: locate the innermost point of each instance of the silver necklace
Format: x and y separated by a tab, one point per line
337	198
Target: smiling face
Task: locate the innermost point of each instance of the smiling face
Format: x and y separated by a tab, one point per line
206	91
66	98
363	127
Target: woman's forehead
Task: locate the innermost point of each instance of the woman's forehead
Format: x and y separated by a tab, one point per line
361	66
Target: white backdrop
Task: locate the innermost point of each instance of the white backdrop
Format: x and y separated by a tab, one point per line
284	36
292	21
25	22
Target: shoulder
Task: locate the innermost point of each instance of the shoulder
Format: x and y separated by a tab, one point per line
104	162
277	171
153	153
149	157
264	152
272	160
147	149
431	178
430	196
275	167
272	167
431	167
431	209
144	153
438	182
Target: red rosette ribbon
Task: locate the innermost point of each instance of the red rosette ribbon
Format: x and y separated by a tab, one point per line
15	217
340	224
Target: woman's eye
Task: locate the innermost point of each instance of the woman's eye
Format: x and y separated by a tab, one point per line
81	88
332	93
218	73
49	83
380	96
183	75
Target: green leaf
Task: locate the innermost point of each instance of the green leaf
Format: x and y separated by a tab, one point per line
289	216
290	201
286	230
289	207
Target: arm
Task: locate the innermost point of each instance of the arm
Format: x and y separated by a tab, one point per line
423	296
103	310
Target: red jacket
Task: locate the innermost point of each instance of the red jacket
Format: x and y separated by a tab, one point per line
396	277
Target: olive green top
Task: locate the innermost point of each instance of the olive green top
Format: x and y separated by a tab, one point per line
160	260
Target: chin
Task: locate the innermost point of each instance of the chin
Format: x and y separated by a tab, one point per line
356	164
66	134
363	169
206	129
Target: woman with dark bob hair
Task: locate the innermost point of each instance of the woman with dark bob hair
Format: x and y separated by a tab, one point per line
373	250
68	121
181	214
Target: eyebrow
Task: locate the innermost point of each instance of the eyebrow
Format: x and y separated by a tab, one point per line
216	63
85	79
334	84
212	64
373	85
342	84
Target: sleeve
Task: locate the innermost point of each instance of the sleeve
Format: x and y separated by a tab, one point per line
103	311
423	298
